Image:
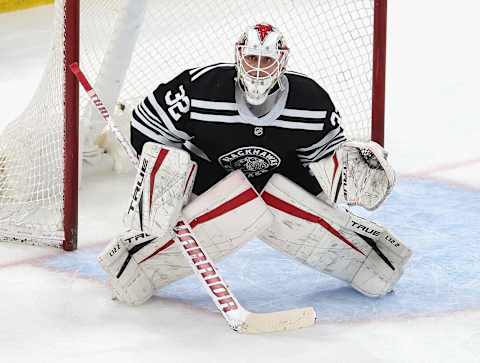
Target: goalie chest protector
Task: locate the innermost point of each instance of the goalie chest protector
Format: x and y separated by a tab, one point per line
202	112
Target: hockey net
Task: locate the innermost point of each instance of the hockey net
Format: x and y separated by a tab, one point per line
127	47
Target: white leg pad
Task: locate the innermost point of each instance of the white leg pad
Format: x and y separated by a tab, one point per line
129	282
376	278
224	218
332	240
161	260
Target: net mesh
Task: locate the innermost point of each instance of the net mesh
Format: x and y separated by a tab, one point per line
31	159
330	40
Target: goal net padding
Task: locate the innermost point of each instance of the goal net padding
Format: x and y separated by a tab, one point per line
127	47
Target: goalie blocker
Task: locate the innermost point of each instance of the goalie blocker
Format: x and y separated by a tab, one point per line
162	186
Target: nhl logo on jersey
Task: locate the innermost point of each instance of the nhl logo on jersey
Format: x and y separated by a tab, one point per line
251	160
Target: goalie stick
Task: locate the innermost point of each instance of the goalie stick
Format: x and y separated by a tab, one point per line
238	318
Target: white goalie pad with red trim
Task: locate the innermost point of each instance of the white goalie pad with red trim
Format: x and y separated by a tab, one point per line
162	186
357	173
332	240
128	280
223	218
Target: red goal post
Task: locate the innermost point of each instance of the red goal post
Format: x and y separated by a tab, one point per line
379	71
127	47
71	147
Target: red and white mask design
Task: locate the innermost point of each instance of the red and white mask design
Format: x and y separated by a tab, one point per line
261	57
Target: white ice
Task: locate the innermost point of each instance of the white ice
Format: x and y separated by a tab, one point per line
54	306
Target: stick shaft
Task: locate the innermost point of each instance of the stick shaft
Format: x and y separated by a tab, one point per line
103	111
209	276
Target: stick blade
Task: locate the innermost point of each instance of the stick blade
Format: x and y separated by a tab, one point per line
278	321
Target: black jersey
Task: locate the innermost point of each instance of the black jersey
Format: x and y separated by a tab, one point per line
202	111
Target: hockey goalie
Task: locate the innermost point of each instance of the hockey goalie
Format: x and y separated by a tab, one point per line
250	150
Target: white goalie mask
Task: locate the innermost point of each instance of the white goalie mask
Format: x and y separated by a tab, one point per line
261	56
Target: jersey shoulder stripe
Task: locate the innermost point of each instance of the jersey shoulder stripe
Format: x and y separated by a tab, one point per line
163	116
215	83
193	71
211	68
214	105
297	74
237	119
304	113
323	152
322	148
308	116
152	135
141	115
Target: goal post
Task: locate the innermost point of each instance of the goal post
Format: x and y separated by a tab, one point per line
71	148
39	149
128	47
379	71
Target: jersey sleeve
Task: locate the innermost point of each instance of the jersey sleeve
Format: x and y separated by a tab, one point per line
323	143
160	117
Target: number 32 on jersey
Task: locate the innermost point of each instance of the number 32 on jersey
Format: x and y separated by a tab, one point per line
179	103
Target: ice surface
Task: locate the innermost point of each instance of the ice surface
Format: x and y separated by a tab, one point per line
443	275
54	306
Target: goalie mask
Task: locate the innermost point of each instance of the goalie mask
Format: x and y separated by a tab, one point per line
261	56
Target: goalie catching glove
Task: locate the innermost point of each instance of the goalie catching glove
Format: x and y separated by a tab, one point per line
357	173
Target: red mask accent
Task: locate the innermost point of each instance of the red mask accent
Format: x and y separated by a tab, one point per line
263	30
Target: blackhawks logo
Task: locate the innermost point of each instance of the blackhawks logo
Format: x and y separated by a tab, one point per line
251	160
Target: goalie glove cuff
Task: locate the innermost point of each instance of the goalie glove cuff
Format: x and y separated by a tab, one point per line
356	173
